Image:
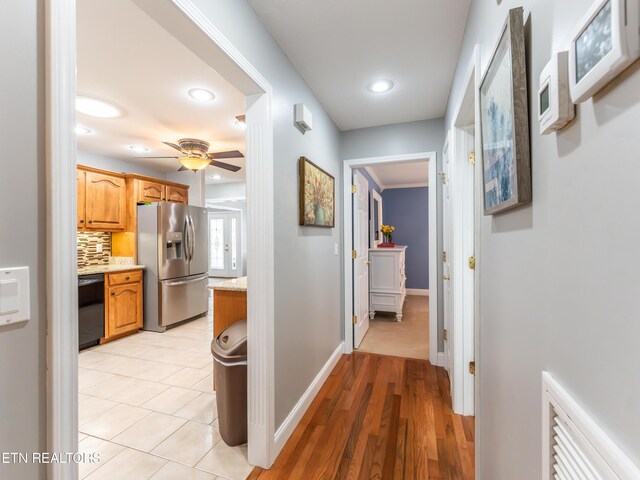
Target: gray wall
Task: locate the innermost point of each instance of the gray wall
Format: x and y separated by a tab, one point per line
226	190
22	231
559	279
116	165
400	139
308	292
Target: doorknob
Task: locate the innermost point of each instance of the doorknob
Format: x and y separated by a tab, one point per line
446	277
226	247
368	262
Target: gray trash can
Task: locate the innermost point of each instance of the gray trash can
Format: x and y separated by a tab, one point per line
229	351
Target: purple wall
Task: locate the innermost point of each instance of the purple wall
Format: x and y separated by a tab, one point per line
407	209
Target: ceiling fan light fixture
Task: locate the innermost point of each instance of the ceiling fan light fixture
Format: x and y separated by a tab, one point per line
194	163
138	148
202	94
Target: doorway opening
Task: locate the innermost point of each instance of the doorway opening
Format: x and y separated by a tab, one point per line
389	297
183	21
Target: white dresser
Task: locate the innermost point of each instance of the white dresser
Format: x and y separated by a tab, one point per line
387	278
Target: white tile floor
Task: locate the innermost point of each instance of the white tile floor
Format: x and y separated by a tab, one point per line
146	404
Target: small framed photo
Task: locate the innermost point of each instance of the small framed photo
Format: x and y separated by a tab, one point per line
555	108
504	126
317	195
604	44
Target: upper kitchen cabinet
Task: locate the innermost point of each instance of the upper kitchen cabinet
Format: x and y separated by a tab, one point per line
177	194
103	199
149	190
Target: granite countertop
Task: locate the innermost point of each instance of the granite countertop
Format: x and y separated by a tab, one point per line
107	268
233	285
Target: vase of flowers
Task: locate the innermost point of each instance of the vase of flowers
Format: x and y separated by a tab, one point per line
387	230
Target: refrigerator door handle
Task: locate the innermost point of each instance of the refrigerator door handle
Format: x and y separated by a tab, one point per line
192	235
185	236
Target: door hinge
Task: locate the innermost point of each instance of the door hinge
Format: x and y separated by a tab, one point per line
354	189
444	334
472	158
472	263
354	254
443	176
472	368
354	319
444	256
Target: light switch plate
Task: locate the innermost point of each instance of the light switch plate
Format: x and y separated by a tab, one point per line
14	295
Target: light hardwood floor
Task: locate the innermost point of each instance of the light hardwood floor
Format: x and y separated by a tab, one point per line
379	417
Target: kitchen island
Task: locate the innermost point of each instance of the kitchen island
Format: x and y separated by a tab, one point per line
229	303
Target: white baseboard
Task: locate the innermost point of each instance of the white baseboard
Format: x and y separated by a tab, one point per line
437	359
295	415
423	292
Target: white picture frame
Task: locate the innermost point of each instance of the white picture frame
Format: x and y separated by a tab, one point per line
555	108
605	43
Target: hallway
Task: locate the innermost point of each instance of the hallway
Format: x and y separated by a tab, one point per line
379	417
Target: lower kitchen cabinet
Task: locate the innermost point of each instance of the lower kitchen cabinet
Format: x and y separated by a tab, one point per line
123	303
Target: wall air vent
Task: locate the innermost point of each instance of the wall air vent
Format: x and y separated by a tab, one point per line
574	447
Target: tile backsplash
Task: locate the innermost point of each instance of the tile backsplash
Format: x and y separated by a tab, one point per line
87	248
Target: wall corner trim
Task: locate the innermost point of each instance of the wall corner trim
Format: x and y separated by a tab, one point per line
423	292
295	415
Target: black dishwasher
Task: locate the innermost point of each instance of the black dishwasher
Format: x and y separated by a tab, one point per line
90	310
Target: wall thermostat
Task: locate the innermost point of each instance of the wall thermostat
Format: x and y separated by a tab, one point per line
555	108
302	117
14	295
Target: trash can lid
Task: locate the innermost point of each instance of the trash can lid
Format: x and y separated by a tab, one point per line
231	344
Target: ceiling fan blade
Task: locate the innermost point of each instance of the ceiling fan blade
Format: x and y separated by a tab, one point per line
229	154
177	147
182	169
225	166
155	157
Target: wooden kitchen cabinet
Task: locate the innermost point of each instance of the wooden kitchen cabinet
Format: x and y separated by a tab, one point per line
80	185
177	194
123	304
149	191
103	200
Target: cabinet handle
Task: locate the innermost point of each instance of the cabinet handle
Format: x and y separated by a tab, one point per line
90	221
113	294
81	221
127	278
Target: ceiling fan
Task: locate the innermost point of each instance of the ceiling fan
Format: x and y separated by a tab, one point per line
196	155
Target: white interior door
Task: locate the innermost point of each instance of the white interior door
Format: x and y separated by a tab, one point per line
447	259
361	260
224	244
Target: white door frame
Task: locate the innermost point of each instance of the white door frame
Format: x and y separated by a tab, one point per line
434	307
62	353
375	196
464	178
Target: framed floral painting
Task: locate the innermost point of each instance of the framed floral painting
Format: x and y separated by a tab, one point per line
317	195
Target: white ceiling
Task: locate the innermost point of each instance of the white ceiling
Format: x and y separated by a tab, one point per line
339	46
400	175
127	59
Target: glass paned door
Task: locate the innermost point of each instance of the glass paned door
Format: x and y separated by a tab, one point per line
224	244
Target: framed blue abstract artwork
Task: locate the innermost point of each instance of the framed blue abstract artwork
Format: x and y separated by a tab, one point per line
505	122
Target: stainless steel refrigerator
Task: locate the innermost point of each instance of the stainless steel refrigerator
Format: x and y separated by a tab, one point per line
173	245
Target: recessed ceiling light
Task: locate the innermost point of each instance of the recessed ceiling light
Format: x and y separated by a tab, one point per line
380	86
216	177
201	94
82	130
96	108
138	148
